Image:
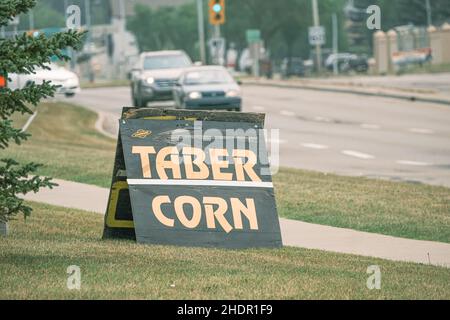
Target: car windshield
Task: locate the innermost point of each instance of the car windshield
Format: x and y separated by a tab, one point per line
207	76
166	62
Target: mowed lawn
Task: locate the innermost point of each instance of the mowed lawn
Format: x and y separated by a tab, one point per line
64	139
34	259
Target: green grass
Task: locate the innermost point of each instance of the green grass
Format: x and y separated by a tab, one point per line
64	139
427	68
35	256
406	210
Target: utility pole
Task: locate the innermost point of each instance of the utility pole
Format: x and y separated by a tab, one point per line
31	19
315	7
335	43
87	10
201	31
428	7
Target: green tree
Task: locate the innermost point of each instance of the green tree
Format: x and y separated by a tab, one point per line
22	54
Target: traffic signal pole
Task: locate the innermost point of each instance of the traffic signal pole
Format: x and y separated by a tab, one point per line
201	31
315	8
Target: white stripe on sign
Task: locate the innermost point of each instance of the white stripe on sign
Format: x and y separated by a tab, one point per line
209	183
357	154
30	120
314	146
414	163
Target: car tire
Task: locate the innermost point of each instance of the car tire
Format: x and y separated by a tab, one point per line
69	94
140	102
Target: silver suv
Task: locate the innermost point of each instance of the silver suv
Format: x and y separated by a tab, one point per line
155	74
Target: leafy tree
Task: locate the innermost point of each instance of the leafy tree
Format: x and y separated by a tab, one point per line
22	54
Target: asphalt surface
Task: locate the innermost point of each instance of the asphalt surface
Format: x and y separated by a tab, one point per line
335	133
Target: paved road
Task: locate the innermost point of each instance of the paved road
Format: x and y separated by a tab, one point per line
338	133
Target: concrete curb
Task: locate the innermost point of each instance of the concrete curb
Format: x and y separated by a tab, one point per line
99	125
412	97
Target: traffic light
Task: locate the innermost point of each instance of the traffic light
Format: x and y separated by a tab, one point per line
216	12
3	80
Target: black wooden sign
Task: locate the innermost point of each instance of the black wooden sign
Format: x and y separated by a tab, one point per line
192	178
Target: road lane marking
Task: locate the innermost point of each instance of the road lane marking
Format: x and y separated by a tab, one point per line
29	121
357	154
279	141
370	126
414	163
315	146
322	119
287	113
421	131
258	108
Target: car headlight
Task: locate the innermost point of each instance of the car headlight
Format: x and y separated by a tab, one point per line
232	93
195	95
150	80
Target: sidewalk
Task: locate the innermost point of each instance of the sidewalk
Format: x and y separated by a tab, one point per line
294	233
432	88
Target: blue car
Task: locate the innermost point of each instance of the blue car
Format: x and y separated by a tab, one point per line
207	88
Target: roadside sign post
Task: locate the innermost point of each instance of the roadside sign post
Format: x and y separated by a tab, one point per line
192	178
317	36
217	50
254	41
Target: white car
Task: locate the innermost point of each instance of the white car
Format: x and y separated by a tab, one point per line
68	81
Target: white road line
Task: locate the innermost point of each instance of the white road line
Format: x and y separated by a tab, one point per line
279	141
357	154
370	126
217	183
287	113
322	119
314	146
421	131
414	163
29	121
258	108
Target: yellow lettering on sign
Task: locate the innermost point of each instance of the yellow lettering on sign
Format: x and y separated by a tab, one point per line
238	154
217	164
156	207
196	211
248	210
195	166
199	162
218	214
173	164
145	162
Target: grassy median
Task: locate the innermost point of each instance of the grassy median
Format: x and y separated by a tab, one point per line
64	139
35	257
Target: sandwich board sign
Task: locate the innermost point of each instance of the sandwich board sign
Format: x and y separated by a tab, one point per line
192	178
